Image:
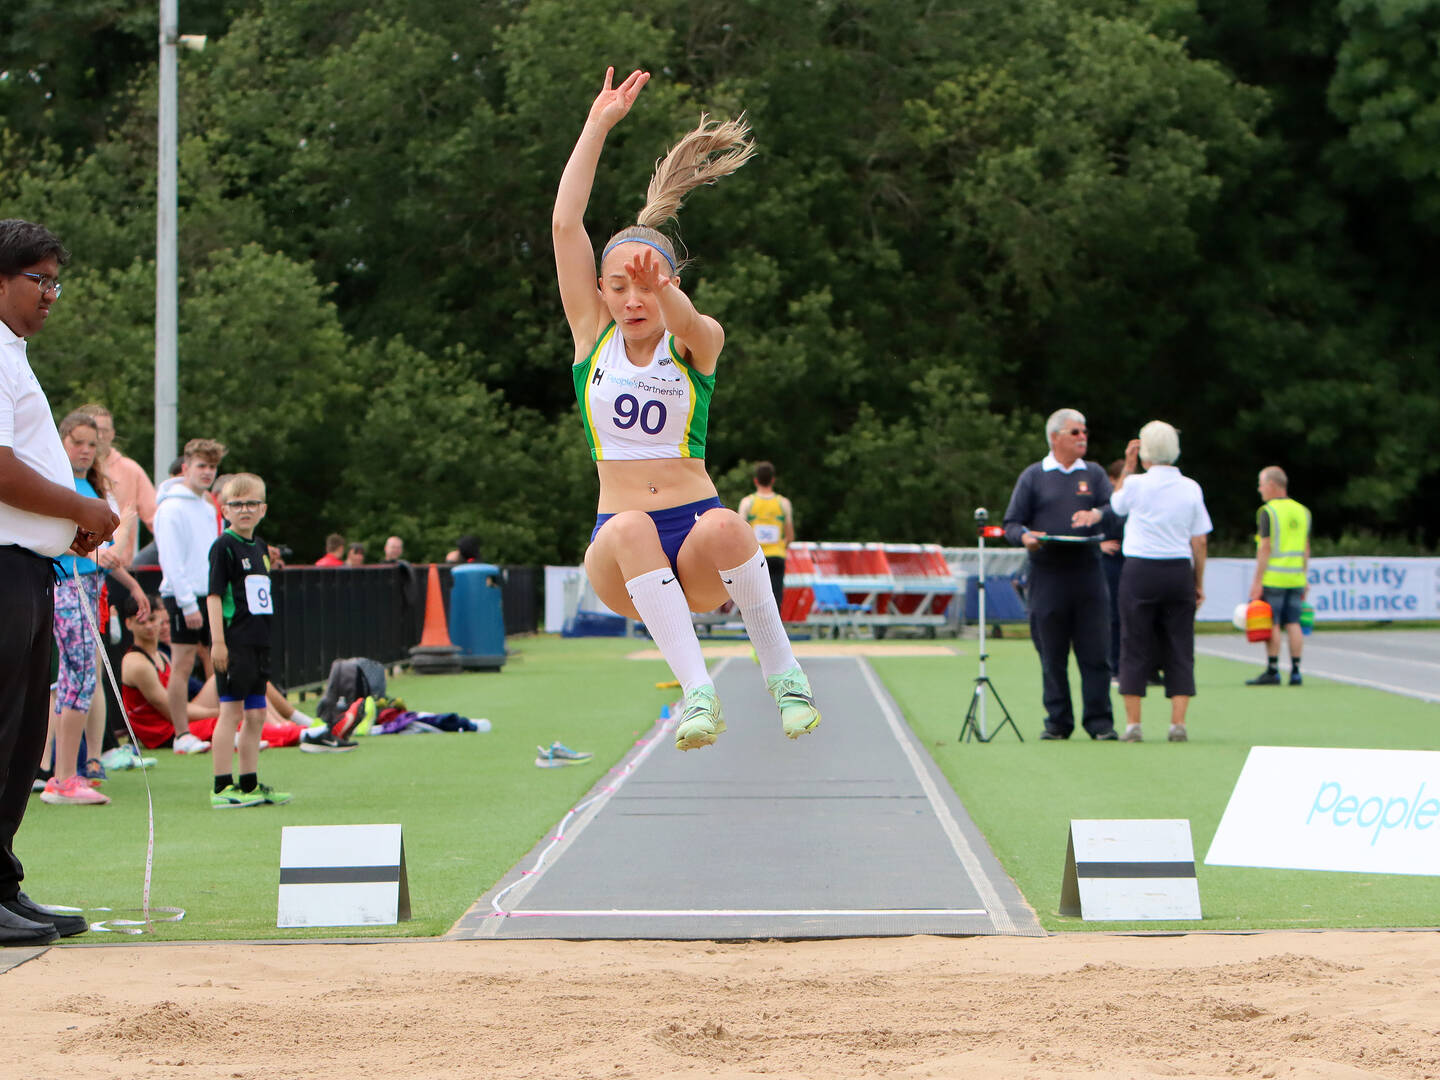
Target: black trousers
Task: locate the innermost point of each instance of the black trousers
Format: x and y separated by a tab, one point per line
1157	625
1113	564
27	600
1070	609
775	564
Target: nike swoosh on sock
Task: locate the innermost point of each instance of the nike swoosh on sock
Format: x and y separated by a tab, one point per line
728	580
667	581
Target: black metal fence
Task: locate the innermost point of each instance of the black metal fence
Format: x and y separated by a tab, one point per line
325	613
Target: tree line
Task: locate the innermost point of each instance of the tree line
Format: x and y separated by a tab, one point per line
962	216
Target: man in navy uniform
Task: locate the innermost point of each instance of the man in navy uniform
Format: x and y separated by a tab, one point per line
1055	512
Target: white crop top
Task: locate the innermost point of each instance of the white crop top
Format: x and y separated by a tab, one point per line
661	410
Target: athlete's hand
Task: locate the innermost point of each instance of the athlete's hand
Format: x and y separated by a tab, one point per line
613	103
142	602
220	656
646	270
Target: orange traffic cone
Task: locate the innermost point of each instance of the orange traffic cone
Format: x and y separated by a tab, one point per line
437	630
436	653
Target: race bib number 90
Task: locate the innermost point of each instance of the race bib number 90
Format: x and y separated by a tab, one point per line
257	594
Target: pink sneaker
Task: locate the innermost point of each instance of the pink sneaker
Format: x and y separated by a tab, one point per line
75	791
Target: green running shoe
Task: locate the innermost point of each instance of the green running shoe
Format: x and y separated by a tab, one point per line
232	798
791	691
270	796
700	723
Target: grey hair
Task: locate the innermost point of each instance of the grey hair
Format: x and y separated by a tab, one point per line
1274	474
1058	419
1159	443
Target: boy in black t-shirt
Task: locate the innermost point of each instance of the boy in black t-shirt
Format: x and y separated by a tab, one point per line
240	608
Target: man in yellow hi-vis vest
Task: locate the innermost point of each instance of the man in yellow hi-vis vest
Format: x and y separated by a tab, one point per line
773	519
1282	559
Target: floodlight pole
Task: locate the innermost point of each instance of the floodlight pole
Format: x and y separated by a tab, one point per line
975	718
166	378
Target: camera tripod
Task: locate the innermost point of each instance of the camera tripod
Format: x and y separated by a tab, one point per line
974	725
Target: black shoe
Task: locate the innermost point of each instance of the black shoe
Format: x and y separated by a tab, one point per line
17	930
1295	679
1047	734
326	743
65	924
1265	678
1106	736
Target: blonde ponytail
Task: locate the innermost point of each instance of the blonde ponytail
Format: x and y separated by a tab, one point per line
714	149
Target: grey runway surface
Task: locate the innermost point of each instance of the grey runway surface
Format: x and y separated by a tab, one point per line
1399	661
849	831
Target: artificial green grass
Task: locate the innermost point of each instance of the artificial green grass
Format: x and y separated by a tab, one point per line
471	804
1023	795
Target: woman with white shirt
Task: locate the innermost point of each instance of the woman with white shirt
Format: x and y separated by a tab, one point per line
1164	577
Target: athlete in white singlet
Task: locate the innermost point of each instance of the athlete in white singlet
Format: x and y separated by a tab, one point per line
644	370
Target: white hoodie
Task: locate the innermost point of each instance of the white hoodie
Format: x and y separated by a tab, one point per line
184	530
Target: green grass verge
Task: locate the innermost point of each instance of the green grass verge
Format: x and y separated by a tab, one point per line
471	804
1023	795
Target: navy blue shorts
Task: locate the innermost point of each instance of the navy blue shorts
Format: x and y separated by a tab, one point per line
673	524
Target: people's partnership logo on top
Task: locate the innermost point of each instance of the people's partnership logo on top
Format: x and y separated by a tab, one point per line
1378	813
646	384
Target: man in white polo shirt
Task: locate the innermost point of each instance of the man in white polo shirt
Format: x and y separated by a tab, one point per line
41	516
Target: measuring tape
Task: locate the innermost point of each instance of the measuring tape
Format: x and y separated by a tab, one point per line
140	925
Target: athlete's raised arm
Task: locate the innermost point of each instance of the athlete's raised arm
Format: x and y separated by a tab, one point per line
574	255
699	336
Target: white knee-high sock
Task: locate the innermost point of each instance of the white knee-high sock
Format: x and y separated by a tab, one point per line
658	598
749	586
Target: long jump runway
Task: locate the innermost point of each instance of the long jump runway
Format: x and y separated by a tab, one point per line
1399	661
850	831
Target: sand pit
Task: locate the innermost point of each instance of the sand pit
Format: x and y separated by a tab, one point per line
1322	1005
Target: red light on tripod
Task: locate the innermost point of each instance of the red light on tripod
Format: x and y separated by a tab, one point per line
992	531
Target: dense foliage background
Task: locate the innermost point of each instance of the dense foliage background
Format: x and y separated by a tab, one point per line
1221	213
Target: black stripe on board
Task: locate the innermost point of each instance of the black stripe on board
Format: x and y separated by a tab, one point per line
1134	869
338	875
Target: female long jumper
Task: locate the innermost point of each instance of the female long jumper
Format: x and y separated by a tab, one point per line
644	371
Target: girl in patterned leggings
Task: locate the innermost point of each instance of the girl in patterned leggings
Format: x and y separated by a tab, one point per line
75	690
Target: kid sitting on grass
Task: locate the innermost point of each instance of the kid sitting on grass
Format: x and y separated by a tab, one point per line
240	608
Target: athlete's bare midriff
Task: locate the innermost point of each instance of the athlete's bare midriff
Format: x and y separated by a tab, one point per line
652	484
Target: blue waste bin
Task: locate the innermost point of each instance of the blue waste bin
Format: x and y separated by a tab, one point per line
477	616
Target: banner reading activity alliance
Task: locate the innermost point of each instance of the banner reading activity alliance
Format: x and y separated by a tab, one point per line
1361	588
